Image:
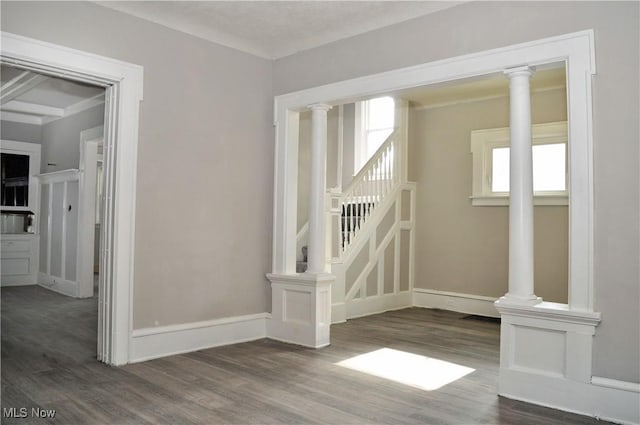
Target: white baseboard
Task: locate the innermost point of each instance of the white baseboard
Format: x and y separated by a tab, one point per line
59	285
152	343
13	281
338	313
616	384
374	305
618	403
455	301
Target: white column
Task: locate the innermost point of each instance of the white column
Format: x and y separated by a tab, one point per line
521	190
316	257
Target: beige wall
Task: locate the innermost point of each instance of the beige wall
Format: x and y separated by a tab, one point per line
348	143
477	26
462	248
205	160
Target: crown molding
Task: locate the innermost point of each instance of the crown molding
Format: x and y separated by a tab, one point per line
28	110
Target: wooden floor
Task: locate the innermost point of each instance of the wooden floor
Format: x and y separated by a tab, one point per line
48	361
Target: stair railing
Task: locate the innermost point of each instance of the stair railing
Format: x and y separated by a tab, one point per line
354	206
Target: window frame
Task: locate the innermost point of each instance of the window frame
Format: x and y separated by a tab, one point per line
33	151
361	140
482	144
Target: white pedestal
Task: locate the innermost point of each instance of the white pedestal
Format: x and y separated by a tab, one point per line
545	350
301	309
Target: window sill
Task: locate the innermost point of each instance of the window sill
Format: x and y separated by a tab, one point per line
503	200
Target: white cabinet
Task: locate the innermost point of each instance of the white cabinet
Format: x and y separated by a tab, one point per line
18	256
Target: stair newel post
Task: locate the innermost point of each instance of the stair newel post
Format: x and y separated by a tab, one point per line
328	220
378	169
401	141
389	167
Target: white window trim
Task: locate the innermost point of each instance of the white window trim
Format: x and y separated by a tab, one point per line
482	144
33	151
361	145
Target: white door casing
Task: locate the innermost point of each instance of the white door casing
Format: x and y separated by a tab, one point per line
123	83
89	141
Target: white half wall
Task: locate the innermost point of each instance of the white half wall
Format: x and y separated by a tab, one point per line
618	403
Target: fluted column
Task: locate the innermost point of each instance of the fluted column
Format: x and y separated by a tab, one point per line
521	190
316	257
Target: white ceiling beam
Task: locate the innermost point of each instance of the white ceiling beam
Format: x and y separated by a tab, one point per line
20	85
32	108
21	118
84	104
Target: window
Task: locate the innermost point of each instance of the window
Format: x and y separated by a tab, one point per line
19	164
490	150
375	120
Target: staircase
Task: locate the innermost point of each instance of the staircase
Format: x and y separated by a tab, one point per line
371	223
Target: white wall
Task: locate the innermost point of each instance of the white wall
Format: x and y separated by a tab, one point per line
61	139
478	26
205	160
21	132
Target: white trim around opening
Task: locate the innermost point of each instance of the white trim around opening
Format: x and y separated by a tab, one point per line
123	84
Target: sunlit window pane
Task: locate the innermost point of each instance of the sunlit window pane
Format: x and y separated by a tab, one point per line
378	117
500	170
549	168
380	113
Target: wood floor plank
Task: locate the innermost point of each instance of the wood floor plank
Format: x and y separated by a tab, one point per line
48	361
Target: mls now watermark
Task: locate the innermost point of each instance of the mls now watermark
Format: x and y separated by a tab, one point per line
24	412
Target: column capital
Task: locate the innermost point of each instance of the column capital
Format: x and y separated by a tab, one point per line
319	107
519	71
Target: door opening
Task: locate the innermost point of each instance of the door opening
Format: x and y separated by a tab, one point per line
123	92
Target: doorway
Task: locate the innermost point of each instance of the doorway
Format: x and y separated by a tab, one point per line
123	92
54	115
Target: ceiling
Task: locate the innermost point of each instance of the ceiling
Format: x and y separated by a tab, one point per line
274	29
34	98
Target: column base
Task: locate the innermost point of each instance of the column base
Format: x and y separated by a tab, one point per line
544	341
301	309
518	300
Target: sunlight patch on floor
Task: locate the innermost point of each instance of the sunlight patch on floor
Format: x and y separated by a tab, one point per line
410	369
